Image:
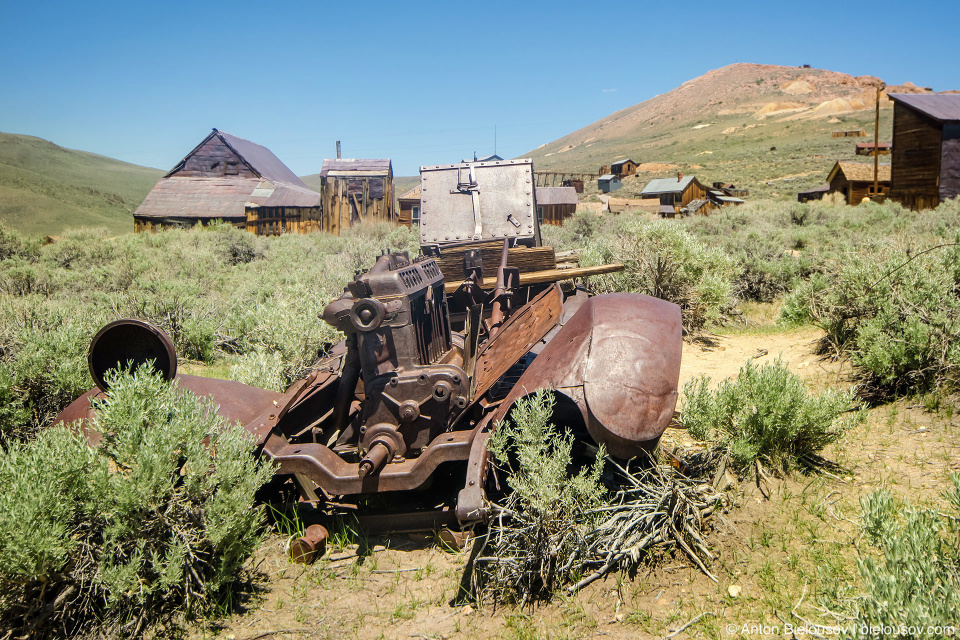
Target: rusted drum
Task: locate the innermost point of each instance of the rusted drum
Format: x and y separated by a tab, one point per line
130	343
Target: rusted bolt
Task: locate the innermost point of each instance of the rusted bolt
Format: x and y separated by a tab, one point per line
310	546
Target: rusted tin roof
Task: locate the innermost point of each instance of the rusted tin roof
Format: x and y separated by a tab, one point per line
383	166
224	198
869	145
556	195
620	163
939	106
860	171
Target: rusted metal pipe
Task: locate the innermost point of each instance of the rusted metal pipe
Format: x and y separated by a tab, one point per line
308	547
496	317
349	377
375	459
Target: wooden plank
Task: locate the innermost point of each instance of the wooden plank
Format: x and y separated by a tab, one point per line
523	258
548	275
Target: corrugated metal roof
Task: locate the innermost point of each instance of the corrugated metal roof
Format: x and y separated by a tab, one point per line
621	162
666	185
821	189
413	194
261	159
939	106
556	195
608	176
869	145
861	172
347	164
225	198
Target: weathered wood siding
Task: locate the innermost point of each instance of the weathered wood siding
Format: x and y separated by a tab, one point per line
273	221
915	170
555	214
355	198
214	159
950	161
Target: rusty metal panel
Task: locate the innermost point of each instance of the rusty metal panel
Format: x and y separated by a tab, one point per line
477	201
618	359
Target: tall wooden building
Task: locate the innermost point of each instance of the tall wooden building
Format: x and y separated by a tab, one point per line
855	180
555	204
926	149
357	190
219	180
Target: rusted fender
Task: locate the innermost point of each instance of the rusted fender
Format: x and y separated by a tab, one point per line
618	359
236	402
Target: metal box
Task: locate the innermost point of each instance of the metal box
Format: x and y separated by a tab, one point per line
473	201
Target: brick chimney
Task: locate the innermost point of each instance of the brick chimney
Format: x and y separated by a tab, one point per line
679	176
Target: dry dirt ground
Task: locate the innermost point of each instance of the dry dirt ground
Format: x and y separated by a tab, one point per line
791	557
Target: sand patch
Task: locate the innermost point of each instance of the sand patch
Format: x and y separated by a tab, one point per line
797	87
839	105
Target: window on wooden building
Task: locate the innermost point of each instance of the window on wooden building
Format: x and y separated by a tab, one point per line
415	216
539	215
232	169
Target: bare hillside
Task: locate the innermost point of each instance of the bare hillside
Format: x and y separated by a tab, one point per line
747	123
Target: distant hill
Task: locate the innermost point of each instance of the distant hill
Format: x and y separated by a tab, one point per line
764	127
45	188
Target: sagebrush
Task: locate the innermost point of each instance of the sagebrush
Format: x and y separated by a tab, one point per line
152	525
766	415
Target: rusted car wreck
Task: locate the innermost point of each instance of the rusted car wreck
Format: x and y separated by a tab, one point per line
407	401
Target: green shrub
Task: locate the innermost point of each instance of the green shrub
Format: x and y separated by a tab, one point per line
154	524
766	415
548	516
664	261
912	578
896	315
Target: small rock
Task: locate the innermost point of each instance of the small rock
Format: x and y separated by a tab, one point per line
619	617
734	590
467	610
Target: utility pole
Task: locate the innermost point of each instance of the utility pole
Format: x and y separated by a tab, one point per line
338	149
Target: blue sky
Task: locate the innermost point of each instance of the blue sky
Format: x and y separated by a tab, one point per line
421	83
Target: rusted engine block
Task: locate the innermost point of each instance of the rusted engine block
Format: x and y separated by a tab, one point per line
405	394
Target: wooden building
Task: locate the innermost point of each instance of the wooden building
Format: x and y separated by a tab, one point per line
816	193
676	193
854	133
608	182
926	149
866	148
409	207
854	180
622	168
218	180
555	204
357	190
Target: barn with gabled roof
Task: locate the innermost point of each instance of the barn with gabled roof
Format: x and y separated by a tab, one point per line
221	179
926	149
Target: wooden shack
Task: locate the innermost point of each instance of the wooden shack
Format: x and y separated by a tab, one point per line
555	204
816	193
926	149
676	193
218	180
867	149
409	208
852	133
357	190
576	183
622	168
854	180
